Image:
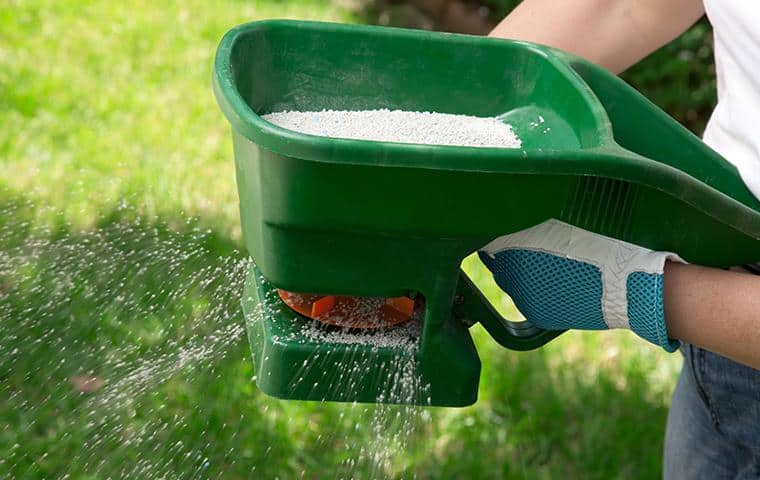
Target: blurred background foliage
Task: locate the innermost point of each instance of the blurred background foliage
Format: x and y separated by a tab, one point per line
680	77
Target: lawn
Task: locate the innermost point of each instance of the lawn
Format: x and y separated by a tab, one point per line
120	275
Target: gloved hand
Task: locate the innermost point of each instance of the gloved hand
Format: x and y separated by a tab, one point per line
563	277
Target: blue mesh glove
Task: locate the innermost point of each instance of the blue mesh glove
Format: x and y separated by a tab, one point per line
563	277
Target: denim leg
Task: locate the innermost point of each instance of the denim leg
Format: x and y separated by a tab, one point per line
733	390
713	429
694	449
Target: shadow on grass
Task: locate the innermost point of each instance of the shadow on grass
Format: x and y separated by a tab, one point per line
534	420
123	355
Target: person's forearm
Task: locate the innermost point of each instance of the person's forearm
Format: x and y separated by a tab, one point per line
714	309
612	33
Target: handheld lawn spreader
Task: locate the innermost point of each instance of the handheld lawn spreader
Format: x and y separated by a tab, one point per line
341	218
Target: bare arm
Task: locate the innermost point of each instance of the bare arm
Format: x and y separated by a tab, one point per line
715	309
612	33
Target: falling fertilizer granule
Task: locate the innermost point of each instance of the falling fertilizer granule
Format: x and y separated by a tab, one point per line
385	125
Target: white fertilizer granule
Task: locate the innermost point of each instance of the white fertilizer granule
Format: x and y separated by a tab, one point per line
403	337
385	125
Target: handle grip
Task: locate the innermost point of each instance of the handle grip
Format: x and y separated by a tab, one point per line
471	307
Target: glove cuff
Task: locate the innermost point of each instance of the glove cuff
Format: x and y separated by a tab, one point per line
646	309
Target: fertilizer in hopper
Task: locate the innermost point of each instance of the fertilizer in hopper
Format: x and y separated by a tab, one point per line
428	128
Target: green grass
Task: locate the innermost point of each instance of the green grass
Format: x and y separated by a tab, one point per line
115	162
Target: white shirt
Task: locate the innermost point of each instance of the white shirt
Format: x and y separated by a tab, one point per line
734	126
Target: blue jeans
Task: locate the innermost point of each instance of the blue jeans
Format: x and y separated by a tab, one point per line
713	429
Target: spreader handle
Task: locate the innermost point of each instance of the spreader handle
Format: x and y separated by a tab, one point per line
471	307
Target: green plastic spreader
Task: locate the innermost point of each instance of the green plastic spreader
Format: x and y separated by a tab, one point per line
339	216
